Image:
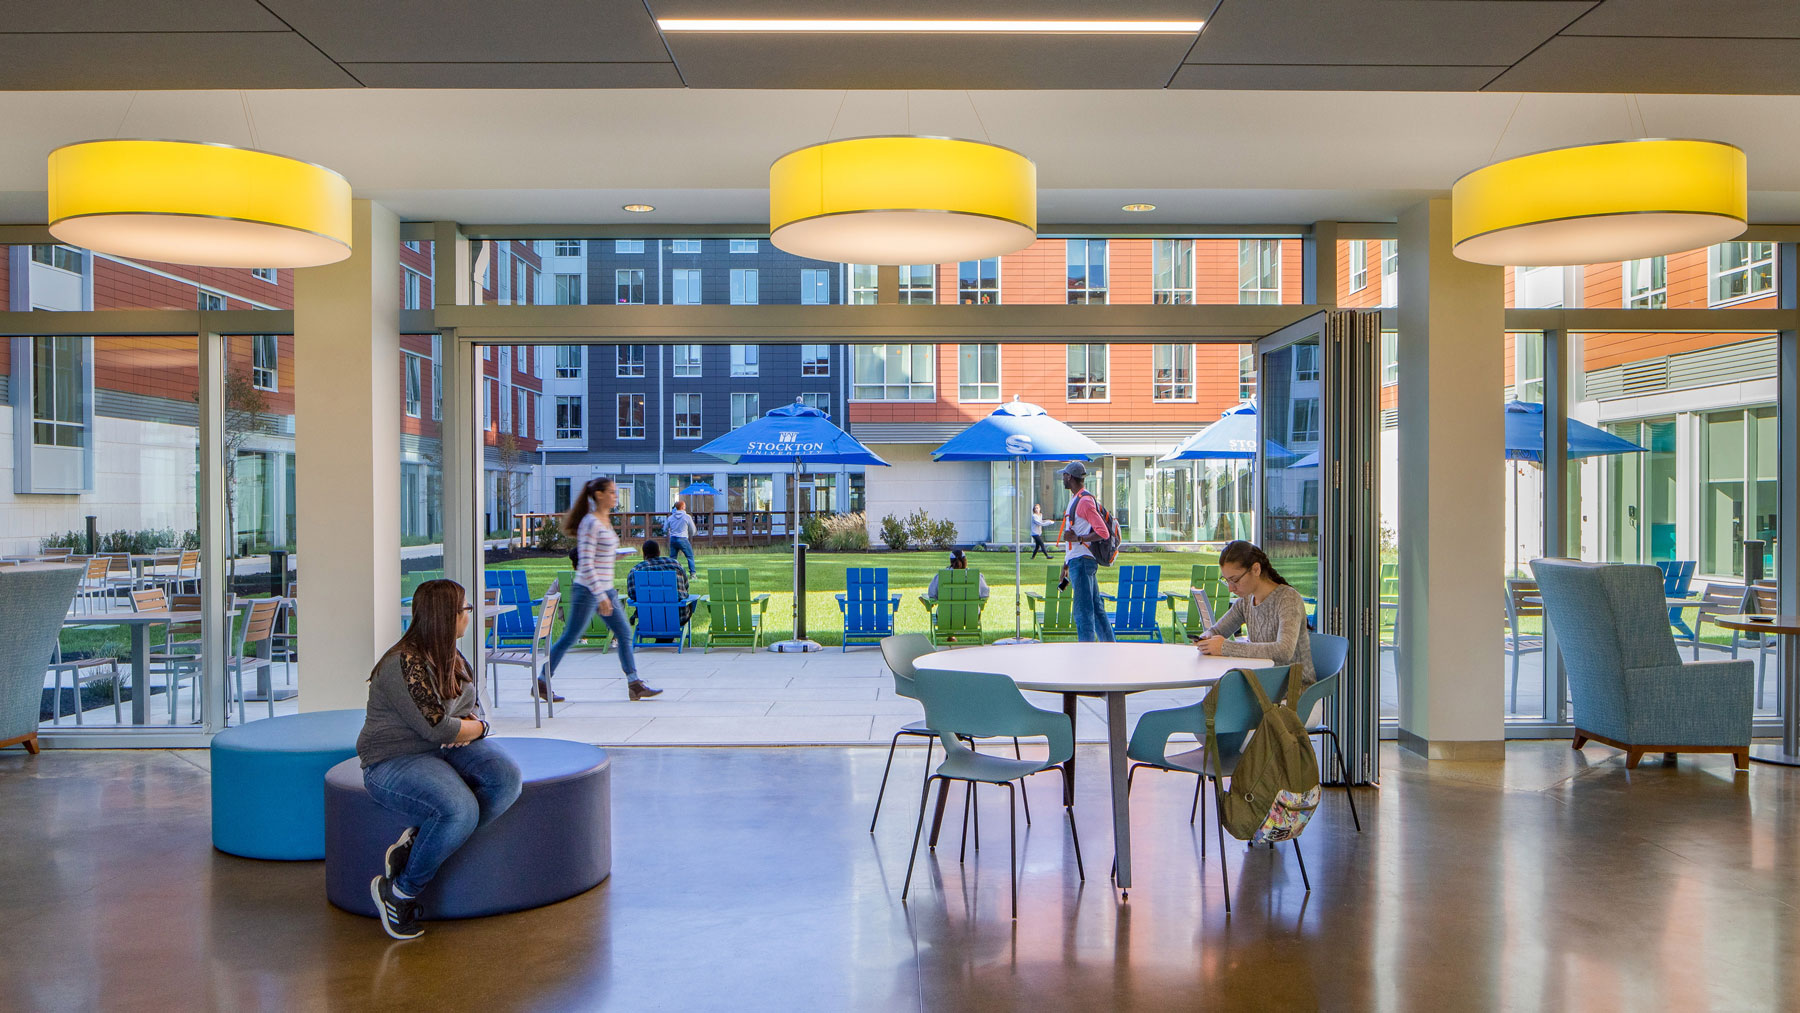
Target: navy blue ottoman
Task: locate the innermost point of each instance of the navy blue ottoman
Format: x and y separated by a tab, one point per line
268	783
555	841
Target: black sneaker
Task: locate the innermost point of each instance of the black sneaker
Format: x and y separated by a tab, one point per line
399	916
399	852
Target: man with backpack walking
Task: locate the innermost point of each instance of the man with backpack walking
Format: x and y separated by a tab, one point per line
1086	526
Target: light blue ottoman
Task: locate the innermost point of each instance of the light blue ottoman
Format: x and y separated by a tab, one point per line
268	782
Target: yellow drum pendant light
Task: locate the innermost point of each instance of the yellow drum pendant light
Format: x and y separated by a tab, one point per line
191	203
1619	200
902	200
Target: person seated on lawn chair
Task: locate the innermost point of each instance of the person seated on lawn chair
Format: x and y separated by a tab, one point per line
958	561
655	560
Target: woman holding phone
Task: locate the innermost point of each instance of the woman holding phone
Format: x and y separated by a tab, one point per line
1267	606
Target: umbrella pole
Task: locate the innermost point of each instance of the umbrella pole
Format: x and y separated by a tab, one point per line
800	644
1018	636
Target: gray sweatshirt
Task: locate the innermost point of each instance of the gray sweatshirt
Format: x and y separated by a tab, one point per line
1276	630
406	715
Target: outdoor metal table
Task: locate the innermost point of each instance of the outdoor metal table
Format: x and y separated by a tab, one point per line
1788	629
1113	671
140	623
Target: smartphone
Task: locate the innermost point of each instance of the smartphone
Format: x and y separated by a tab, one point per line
1194	638
1063	585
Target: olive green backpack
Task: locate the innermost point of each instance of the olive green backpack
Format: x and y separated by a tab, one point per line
1275	785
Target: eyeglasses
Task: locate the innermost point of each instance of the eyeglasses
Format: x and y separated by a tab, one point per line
466	608
1233	578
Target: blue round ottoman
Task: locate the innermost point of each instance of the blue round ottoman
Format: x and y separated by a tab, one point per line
268	782
555	841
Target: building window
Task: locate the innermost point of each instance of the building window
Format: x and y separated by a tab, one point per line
628	284
265	359
568	248
413	245
1390	358
686	286
59	380
631	416
1646	283
1172	271
820	401
570	359
745	408
1359	264
744	360
1246	372
1528	366
1741	271
568	416
487	404
437	376
522	414
631	360
1087	372
978	282
211	300
749	492
1259	271
894	373
506	410
815	287
1390	257
412	292
687	416
918	284
743	286
743	245
562	496
687	359
1306	363
414	381
685	246
1087	270
267	274
1304	420
503	270
1172	372
568	290
864	282
506	352
815	360
628	246
63	258
978	373
522	292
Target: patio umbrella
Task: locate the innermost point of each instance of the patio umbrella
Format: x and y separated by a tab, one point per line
1018	431
1525	441
804	435
699	489
1311	460
1233	437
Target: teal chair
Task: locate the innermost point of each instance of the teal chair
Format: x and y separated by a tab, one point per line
964	705
1328	655
1236	715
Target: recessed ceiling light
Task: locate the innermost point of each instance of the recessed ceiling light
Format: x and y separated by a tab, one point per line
638	209
926	25
1138	207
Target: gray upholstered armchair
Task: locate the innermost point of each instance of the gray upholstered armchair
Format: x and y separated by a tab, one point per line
1630	687
33	601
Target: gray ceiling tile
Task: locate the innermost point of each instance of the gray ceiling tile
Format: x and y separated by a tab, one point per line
516	75
1057	10
1381	32
1743	19
141	16
573	31
1675	66
927	61
1277	77
164	60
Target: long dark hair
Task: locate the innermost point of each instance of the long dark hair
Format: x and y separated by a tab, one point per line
1245	554
584	503
436	606
958	561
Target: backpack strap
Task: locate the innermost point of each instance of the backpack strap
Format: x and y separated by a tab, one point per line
1291	688
1256	688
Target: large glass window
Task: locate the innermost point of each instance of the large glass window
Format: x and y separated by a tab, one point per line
750	492
743	245
630	360
744	286
1646	283
60	379
1741	271
978	372
628	283
1359	265
415	382
687	359
687	416
567	248
628	246
894	373
631	417
1086	270
864	282
918	284
744	360
815	287
1172	271
820	401
568	290
570	360
568	416
745	409
265	362
1087	372
1259	271
1172	372
815	360
685	285
684	246
978	282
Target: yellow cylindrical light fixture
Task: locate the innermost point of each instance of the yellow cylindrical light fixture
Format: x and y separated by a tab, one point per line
1619	200
188	202
902	200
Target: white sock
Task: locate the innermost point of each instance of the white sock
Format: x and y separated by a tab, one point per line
402	894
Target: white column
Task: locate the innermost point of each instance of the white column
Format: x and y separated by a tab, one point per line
1452	495
347	441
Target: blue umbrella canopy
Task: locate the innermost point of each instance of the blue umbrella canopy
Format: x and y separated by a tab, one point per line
1018	430
1525	436
792	432
1233	437
699	489
1311	460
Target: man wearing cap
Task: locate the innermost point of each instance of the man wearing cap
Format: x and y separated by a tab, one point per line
1083	524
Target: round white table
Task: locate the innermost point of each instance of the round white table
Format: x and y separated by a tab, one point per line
1109	670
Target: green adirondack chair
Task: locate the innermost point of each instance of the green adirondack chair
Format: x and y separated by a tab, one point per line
1053	611
956	611
1188	613
735	616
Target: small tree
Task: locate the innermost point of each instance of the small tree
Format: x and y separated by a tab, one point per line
245	407
511	483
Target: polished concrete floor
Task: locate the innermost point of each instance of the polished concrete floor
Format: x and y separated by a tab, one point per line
746	879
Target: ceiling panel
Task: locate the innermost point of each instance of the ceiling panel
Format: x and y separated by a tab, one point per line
1384	32
164	60
1690	66
927	61
141	16
1748	19
574	31
1277	77
516	75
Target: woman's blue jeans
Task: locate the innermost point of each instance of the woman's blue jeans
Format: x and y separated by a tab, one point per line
582	606
1091	622
446	793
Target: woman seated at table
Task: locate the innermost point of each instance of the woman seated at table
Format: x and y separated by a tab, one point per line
958	561
1267	605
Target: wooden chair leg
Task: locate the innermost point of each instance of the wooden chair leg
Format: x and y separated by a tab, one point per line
1741	759
1578	741
31	744
1632	756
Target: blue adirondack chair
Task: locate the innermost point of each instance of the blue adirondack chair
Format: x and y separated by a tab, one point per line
1134	609
513	628
659	604
868	609
1678	582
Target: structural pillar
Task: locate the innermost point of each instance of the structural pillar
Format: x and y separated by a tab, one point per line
347	444
1452	495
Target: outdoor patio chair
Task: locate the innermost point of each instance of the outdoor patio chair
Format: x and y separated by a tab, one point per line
1053	611
659	603
1193	613
956	611
256	632
868	610
513	628
1678	582
1518	642
180	659
533	661
96	587
82	671
1135	604
734	615
1717	600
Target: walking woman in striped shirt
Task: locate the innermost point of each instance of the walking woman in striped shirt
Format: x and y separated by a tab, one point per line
596	545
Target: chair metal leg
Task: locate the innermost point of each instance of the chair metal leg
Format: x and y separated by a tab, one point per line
913	855
1195	808
1224	878
271	670
240	691
968	801
1024	796
1513	700
1344	773
1012	861
1302	859
1074	837
884	776
118	717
